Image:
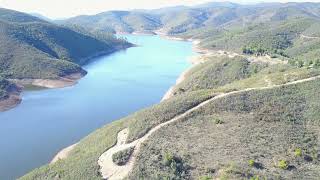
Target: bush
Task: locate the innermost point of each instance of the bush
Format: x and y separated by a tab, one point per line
218	121
252	162
122	157
298	152
168	159
283	164
175	165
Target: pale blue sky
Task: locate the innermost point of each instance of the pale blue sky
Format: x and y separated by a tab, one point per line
68	8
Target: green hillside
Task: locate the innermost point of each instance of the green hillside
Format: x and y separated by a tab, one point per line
250	135
212	15
117	21
253	115
35	49
48	50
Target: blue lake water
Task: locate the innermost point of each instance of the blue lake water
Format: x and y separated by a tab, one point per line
116	85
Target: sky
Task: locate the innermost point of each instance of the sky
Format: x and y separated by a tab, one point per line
67	8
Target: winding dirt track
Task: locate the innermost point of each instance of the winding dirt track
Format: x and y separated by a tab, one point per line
309	37
111	171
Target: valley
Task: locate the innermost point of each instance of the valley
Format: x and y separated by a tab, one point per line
48	120
247	107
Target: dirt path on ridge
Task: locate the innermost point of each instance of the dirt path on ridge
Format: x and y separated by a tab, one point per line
111	171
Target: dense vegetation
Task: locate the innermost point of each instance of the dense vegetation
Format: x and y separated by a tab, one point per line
4	87
122	21
36	49
33	48
122	157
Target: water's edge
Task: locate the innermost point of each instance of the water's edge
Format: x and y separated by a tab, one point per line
14	98
116	86
63	153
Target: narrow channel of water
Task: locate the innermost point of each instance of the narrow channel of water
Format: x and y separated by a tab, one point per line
116	85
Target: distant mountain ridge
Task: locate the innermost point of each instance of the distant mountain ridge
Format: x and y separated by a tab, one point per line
180	19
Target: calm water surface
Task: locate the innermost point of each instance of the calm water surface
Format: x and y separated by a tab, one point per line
116	85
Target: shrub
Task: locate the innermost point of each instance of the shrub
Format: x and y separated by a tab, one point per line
218	121
168	159
175	165
122	157
210	170
283	164
252	162
298	152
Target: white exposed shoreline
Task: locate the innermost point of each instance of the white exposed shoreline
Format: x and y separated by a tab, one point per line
60	82
195	60
170	92
14	98
63	153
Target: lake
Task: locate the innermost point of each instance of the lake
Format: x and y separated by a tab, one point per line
116	85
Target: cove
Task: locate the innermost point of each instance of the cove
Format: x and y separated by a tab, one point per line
116	85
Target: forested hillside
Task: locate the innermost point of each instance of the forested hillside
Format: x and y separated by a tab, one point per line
180	19
31	48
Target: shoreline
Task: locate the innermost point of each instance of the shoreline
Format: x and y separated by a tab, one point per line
14	98
12	101
170	92
195	60
72	79
60	82
63	153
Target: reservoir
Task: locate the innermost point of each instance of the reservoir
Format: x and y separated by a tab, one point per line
116	85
